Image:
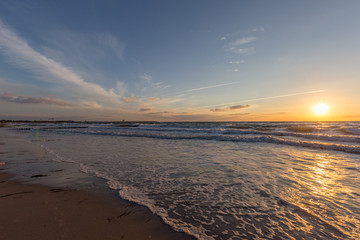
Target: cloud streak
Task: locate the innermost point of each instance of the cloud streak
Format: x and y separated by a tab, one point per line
145	109
244	40
259	29
148	79
242	50
237	107
153	99
237	62
21	54
272	97
130	99
236	46
11	97
110	42
212	86
231	108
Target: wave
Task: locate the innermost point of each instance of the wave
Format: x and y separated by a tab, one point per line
133	194
306	132
323	137
235	131
355	131
303	129
306	135
238	138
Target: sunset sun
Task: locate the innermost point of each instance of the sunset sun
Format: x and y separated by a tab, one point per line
320	109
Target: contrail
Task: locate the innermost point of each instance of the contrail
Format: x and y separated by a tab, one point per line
265	98
212	86
201	88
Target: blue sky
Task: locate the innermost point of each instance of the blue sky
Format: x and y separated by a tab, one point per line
179	60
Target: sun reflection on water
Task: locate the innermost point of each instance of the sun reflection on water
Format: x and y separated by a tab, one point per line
325	176
322	189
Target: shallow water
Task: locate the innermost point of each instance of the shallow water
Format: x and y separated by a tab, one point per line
223	180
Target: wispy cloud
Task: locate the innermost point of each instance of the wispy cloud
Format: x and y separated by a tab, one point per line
11	97
110	42
218	110
212	86
162	114
237	45
258	29
19	53
153	99
239	114
241	50
149	80
231	108
146	77
285	95
160	85
175	98
266	98
145	109
244	40
90	104
237	107
167	101
181	116
130	99
237	62
235	34
121	88
80	47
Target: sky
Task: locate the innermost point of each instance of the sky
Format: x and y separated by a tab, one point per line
167	60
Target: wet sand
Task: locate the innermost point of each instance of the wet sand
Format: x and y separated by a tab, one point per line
40	212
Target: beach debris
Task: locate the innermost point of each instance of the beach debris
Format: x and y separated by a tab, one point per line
56	190
12	194
38	175
123	214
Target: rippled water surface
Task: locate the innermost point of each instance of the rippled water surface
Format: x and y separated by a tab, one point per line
224	180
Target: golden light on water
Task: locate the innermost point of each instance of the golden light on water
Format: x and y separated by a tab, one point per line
321	109
324	181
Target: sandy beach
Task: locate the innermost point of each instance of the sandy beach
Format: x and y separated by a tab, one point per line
39	212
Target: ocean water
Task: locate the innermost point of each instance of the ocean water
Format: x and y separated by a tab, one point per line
237	180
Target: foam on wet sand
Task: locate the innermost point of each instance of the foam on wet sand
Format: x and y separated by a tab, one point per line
40	212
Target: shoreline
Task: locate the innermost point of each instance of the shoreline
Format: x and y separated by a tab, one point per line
34	211
44	199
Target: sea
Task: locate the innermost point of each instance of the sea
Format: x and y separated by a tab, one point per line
221	180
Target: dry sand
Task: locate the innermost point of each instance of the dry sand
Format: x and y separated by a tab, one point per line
41	212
